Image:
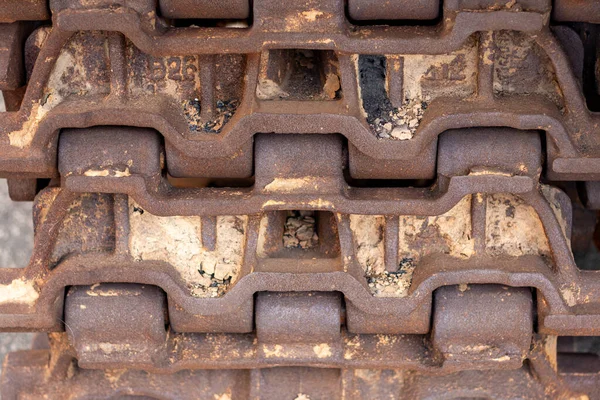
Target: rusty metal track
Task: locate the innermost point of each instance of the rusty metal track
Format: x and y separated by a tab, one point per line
221	135
322	199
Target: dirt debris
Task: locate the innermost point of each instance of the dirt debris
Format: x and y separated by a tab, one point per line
18	291
219	268
513	228
387	121
395	111
177	240
191	110
449	233
178	78
368	235
322	350
332	86
225	109
400	123
522	68
223	396
268	89
300	230
394	283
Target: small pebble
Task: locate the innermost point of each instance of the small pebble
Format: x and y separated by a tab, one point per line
402	123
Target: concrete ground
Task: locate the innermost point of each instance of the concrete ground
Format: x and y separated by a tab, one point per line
16	245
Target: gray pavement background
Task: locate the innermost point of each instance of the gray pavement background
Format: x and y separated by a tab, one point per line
16	245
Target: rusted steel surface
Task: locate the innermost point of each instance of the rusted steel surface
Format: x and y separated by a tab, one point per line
303	200
498	320
31	374
135	313
205	9
12	68
390	10
133	229
464	71
29	10
577	11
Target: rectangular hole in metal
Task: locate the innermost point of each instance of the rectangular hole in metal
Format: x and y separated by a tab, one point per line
299	74
308	237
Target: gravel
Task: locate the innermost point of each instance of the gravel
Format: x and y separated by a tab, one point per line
300	230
